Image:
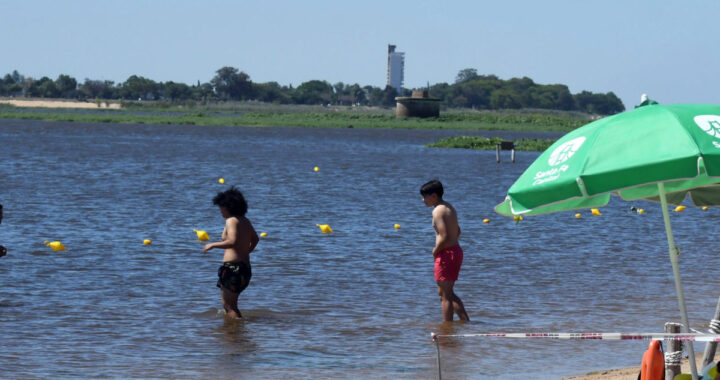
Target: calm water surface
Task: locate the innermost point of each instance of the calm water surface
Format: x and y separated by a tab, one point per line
360	302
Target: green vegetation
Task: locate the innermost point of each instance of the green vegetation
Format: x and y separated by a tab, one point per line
484	143
259	114
490	92
470	92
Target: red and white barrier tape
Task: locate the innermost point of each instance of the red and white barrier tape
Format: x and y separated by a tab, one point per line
689	337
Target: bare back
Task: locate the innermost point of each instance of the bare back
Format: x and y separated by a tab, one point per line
243	238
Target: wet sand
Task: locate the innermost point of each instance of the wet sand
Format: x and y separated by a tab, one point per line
632	373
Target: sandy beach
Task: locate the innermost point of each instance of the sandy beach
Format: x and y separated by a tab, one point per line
58	104
631	373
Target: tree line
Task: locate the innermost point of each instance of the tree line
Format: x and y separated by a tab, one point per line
489	92
470	90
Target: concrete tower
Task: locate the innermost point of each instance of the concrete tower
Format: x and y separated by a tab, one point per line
395	69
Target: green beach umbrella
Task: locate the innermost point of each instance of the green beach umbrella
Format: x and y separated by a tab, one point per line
662	153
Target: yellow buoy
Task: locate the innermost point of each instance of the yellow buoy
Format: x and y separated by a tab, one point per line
595	211
221	180
578	215
55	245
397	226
486	221
679	208
705	208
324	228
641	211
147	242
263	234
202	235
317	169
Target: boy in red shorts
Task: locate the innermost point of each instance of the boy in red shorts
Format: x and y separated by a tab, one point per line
447	253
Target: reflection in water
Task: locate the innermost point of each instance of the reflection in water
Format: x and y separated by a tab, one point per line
360	302
235	337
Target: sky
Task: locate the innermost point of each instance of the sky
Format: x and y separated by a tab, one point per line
669	50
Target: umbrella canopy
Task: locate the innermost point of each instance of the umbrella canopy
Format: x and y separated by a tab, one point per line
626	154
656	152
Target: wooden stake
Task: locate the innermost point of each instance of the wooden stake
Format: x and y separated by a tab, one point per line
437	348
710	347
672	346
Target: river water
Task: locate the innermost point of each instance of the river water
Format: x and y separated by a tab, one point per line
359	302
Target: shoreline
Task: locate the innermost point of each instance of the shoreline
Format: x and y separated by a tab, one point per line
251	115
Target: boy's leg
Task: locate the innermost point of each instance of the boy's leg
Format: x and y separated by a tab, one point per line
451	303
229	301
447	308
459	308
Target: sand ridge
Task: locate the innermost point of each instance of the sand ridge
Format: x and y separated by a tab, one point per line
58	104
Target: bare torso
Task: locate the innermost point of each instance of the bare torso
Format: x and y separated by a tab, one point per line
244	242
445	223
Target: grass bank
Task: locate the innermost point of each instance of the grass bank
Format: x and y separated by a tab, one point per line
311	116
484	143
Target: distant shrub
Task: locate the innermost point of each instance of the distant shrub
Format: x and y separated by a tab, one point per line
485	143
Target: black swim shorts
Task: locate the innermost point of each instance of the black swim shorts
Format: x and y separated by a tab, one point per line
234	277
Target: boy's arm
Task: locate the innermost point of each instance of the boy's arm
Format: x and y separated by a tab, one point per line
230	236
254	239
440	231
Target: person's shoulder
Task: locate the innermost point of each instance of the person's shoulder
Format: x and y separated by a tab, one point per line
449	206
445	206
242	221
440	209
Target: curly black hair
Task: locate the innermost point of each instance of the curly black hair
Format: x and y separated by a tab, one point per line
233	200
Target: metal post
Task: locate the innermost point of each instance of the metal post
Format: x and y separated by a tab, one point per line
674	253
671	368
437	348
710	347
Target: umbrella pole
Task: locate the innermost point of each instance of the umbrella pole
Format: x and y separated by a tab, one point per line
674	253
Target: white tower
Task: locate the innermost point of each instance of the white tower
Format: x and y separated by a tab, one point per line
396	69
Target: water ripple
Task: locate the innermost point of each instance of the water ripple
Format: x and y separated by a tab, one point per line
360	302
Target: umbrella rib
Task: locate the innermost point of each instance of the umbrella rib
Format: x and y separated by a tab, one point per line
700	172
581	186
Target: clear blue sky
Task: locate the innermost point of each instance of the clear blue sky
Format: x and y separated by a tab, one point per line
667	49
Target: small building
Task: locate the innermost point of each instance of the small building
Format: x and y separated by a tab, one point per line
420	104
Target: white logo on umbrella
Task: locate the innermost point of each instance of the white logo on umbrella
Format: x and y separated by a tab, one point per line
709	123
565	151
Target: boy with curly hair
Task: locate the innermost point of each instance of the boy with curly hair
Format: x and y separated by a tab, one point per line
238	239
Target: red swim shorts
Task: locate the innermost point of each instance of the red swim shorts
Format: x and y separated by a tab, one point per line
447	264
